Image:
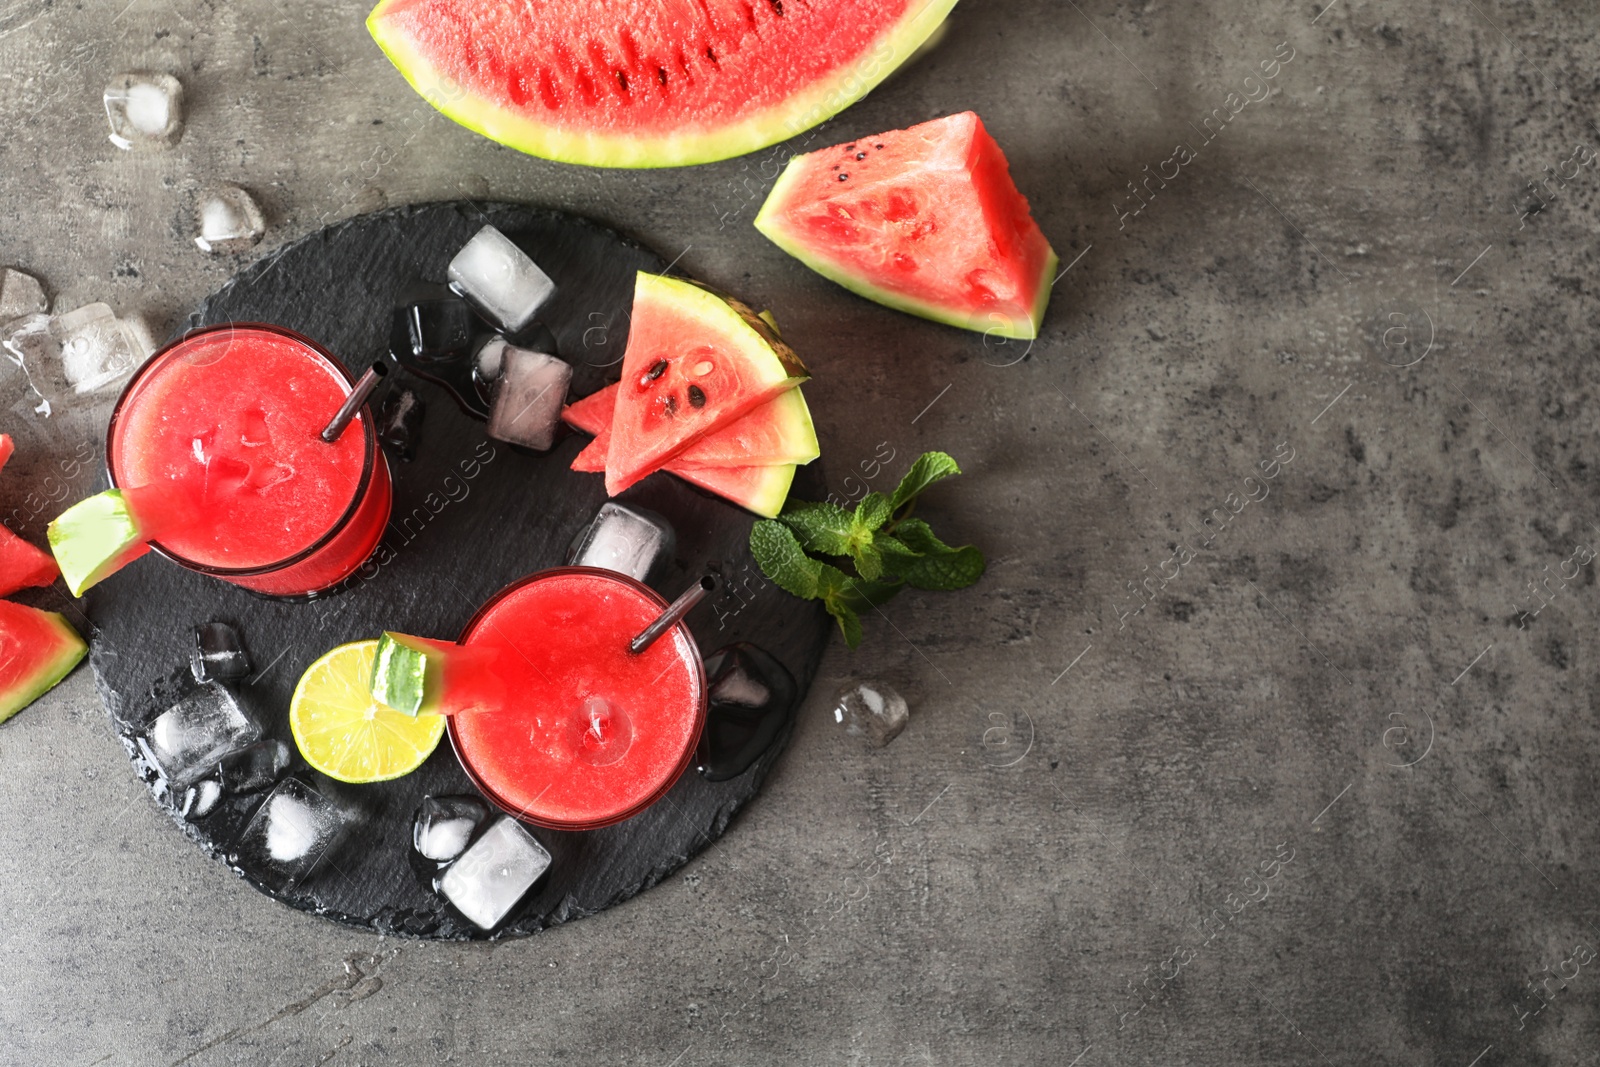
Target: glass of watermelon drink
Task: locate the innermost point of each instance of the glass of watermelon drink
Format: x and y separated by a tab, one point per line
593	733
220	432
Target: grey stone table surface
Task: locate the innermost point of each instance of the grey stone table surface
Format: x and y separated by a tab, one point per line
1212	768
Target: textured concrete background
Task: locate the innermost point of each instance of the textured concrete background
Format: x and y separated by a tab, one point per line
1347	691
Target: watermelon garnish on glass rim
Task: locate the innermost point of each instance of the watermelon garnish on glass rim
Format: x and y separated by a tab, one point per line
648	83
925	220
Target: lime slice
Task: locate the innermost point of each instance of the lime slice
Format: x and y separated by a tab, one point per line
346	734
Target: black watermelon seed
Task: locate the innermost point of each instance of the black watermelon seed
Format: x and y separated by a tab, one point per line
861	155
697	396
657	369
879	147
844	177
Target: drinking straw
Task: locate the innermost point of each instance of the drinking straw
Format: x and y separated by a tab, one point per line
669	618
352	403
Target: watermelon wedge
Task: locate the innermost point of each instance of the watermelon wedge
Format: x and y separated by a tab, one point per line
7	446
648	83
695	363
22	564
762	490
779	431
925	220
37	650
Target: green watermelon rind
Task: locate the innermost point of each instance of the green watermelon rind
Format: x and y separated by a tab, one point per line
50	671
95	538
798	113
982	322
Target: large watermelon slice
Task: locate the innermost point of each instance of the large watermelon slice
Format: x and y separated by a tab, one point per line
762	490
648	83
37	650
22	564
695	363
926	220
779	431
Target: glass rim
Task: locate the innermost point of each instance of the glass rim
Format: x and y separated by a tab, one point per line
684	761
369	461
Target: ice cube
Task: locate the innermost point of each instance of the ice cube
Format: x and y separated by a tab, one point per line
229	220
490	359
752	698
400	422
97	348
292	830
255	768
200	799
440	329
29	346
20	295
495	873
188	739
625	539
218	654
145	110
444	825
528	397
500	280
871	710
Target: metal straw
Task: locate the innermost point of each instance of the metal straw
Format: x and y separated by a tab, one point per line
352	403
669	618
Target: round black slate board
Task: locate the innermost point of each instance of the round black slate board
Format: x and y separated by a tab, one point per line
469	517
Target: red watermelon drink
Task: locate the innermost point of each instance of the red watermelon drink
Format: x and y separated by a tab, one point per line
593	733
221	428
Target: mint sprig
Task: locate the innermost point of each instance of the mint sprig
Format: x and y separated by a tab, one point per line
885	547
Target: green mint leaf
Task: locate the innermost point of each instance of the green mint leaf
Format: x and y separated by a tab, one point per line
930	467
781	558
955	569
869	561
873	511
820	527
918	536
849	624
895	552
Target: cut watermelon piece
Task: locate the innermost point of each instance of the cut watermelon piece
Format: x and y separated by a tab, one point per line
695	363
648	83
762	490
779	431
7	446
926	220
22	564
37	650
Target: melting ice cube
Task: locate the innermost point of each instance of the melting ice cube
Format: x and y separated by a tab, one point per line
218	654
625	539
97	348
257	767
20	295
752	698
444	826
292	830
528	397
187	740
439	329
500	279
229	220
200	799
495	873
145	110
871	710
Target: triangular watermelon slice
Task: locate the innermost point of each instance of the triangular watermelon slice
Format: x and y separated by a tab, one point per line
37	650
22	565
695	363
761	489
926	220
779	431
7	446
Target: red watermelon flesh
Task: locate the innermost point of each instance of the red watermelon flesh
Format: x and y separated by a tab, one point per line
37	650
926	220
779	431
761	489
695	363
22	565
641	83
7	446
